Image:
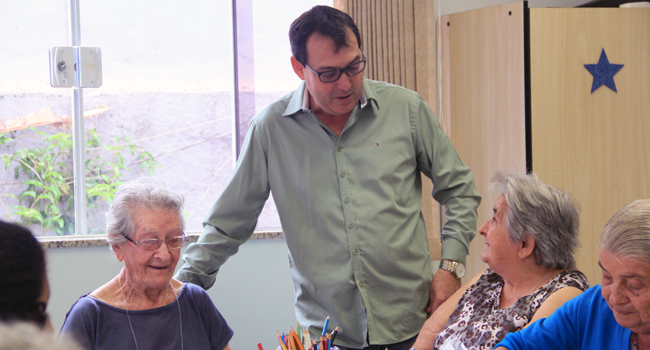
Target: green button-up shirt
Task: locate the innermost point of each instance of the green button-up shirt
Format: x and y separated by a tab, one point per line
349	208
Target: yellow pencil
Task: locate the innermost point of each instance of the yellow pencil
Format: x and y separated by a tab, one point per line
282	344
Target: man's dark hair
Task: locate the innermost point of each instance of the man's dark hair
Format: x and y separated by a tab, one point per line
22	272
324	20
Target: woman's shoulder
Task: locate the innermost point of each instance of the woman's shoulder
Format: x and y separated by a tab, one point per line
487	280
571	278
84	310
194	292
193	288
88	305
482	288
85	302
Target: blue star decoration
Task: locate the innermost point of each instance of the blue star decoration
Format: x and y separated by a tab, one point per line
603	72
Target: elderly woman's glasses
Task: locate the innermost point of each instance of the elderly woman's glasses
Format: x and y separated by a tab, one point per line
155	243
331	76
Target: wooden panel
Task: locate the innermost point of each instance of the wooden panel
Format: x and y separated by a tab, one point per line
409	44
595	145
425	51
394	25
483	98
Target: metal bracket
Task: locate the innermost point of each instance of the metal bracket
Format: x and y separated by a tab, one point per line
64	61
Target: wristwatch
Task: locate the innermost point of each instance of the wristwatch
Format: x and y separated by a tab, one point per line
455	267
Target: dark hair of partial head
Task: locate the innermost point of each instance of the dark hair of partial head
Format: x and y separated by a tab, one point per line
22	271
323	20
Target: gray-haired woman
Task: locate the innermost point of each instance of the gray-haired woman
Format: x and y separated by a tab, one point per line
615	314
143	307
530	241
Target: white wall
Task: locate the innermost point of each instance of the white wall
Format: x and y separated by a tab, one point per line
253	291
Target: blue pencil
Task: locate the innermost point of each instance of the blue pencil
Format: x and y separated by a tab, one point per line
327	321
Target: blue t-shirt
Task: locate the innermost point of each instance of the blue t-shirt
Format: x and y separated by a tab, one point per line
97	325
583	323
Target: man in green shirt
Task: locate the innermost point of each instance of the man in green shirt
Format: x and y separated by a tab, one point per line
343	157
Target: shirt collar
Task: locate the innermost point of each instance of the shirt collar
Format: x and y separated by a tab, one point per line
301	98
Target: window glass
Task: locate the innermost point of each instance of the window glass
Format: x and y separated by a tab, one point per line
164	109
168	84
35	139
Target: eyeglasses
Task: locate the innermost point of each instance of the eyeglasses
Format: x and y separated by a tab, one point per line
331	76
155	243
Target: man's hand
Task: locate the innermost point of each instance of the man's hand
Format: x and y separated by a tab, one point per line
443	285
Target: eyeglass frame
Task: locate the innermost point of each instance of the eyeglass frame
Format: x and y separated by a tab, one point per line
183	240
341	71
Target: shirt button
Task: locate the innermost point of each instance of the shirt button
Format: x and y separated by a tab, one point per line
347	200
343	174
350	225
362	284
355	252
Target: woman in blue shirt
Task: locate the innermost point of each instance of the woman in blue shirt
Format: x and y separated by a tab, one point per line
614	315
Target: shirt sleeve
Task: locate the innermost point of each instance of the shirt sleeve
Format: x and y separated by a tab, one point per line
453	181
79	323
232	219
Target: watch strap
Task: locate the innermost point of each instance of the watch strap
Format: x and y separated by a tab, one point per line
449	265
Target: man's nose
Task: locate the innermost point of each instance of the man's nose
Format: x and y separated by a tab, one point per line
344	82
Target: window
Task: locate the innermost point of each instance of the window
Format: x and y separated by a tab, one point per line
28	29
165	107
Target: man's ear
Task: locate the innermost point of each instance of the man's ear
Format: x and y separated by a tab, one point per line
527	247
298	68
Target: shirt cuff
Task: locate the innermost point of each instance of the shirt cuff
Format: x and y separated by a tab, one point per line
454	250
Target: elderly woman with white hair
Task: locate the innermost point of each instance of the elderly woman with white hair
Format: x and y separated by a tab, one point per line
143	307
613	315
530	241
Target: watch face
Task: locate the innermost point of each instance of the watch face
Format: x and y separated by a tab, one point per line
460	270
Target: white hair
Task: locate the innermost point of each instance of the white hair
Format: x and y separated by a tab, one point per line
547	214
627	233
145	192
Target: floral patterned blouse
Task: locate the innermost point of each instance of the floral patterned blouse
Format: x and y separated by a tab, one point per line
479	323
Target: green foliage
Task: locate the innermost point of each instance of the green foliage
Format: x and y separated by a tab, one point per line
48	198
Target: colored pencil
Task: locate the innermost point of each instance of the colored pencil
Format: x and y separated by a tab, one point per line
282	344
334	333
306	338
327	321
297	340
